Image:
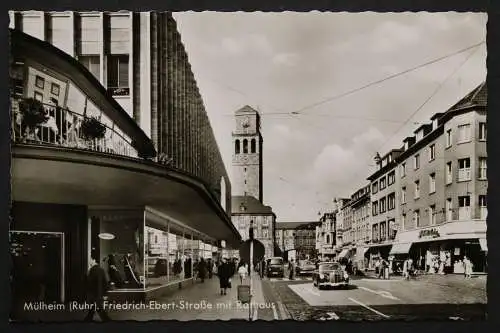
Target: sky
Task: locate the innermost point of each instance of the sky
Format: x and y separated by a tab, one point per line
279	63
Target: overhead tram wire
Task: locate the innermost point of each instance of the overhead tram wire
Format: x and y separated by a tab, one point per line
430	97
350	92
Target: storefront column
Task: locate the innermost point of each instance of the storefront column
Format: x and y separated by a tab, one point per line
168	252
192	255
183	255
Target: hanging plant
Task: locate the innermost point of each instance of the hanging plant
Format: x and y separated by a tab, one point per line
93	128
33	112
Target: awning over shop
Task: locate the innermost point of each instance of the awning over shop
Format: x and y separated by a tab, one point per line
483	244
401	248
344	253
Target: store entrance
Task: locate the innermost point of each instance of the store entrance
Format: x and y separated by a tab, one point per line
37	266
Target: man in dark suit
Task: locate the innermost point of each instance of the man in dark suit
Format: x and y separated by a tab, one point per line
96	288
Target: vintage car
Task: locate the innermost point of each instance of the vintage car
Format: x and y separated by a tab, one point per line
275	267
305	267
330	274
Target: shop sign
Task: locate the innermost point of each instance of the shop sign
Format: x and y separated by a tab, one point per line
434	233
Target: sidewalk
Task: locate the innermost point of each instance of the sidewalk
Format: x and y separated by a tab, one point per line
202	301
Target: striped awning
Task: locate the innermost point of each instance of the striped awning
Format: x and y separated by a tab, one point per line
401	248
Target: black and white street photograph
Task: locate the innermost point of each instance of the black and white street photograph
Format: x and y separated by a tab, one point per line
326	166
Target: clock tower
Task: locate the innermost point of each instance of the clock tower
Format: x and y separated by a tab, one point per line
247	154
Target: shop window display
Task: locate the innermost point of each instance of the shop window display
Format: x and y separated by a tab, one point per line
117	243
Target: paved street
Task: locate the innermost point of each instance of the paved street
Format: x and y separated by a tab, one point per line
428	297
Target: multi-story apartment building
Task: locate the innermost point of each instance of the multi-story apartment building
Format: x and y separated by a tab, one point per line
443	187
357	226
385	208
297	240
325	235
340	215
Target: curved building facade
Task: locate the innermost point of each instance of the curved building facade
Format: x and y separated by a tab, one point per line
88	183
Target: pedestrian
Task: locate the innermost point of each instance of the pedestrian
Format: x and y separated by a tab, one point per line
291	268
406	274
224	273
242	272
96	287
467	268
210	268
202	270
262	268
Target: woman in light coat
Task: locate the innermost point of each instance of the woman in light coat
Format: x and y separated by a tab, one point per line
243	272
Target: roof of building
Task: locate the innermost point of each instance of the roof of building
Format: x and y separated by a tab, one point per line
478	96
296	225
247	109
251	204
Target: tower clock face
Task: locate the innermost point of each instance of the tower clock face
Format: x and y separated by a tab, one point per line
246	122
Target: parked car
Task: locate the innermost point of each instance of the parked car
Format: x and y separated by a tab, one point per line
331	274
275	267
305	267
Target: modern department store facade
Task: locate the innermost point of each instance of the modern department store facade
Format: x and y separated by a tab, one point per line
75	196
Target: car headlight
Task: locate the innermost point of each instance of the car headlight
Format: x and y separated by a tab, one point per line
321	276
346	276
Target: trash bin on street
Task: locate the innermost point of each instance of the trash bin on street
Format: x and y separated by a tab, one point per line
386	273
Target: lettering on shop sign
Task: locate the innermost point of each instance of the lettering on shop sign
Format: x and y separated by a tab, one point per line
429	233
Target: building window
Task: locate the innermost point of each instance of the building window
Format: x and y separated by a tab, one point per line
55	89
449	209
432	152
40	82
416	218
382	205
391	201
464	169
464	208
383	231
403	221
403	195
417	189
245	146
483	213
448	138
432	215
93	64
118	71
432	183
416	161
237	146
403	169
252	146
374	208
265	233
464	134
391	177
374	187
39	96
483	168
382	183
482	131
449	177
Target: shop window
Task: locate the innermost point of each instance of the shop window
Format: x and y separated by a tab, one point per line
464	172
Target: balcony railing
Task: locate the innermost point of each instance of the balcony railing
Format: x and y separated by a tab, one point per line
464	174
63	128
